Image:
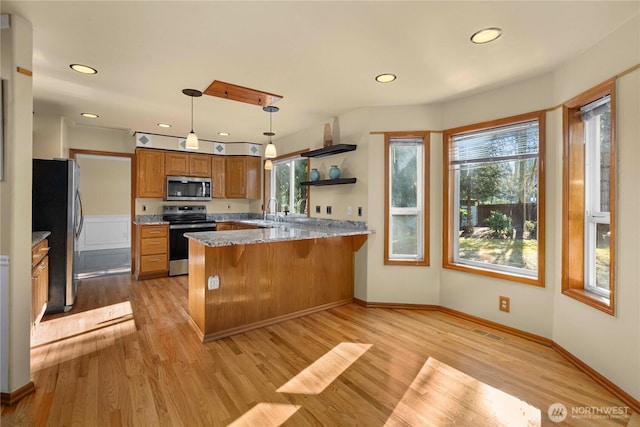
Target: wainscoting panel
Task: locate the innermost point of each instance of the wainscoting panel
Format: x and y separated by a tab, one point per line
105	232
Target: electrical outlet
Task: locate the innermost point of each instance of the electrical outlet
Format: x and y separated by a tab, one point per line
318	209
328	210
505	304
228	207
349	210
213	282
359	210
144	208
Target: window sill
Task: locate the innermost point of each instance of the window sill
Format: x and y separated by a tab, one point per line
496	274
589	298
408	262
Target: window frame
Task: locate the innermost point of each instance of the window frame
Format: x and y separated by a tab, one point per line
424	195
574	219
269	182
450	191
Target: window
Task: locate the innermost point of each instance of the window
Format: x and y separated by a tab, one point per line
286	176
406	228
589	198
494	198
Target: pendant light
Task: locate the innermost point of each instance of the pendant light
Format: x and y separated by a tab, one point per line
270	151
192	138
268	165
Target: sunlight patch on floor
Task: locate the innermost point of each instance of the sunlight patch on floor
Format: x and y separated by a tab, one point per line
266	415
74	325
317	376
442	395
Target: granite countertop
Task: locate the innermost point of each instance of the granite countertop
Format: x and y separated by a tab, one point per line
272	232
150	222
39	236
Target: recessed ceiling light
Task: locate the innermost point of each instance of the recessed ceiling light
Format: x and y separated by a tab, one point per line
164	125
84	69
385	78
486	35
224	133
89	115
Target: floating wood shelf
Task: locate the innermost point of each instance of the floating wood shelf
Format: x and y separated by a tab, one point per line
329	151
329	182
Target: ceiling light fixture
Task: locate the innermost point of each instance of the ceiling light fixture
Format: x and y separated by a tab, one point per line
84	69
192	138
224	133
486	35
164	125
89	115
268	165
385	78
270	151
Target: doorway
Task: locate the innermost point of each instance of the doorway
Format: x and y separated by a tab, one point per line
104	245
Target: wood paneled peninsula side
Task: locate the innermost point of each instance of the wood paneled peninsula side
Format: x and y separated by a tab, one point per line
245	279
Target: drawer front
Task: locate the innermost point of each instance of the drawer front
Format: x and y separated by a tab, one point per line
154	231
152	246
39	252
154	263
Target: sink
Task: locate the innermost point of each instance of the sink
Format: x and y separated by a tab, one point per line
259	223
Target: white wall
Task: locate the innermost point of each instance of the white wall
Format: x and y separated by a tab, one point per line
15	205
47	136
531	306
608	344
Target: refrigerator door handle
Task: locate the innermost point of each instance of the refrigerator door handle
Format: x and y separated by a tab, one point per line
81	222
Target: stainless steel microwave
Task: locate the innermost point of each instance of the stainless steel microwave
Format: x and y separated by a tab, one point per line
188	188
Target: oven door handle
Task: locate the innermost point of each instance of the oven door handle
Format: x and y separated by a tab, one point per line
191	226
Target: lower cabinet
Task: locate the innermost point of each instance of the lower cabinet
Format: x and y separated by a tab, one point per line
39	280
152	251
232	225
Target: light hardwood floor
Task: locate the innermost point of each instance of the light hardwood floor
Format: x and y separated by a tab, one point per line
127	356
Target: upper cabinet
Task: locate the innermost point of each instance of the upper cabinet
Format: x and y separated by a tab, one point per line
151	175
187	164
234	177
218	176
242	177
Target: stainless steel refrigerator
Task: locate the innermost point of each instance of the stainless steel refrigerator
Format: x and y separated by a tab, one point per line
57	207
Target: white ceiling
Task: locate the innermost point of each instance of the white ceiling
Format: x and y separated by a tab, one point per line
322	57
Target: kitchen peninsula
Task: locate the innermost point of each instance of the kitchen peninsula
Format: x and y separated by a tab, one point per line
245	279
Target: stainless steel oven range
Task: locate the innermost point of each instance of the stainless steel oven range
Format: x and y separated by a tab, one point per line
184	219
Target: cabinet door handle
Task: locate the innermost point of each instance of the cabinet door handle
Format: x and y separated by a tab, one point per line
153	243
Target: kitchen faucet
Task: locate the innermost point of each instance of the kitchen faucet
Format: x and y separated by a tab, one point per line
275	201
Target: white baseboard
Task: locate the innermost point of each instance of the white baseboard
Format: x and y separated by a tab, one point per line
105	232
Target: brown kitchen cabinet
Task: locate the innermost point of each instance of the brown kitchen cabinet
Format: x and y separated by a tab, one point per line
218	176
152	251
150	173
242	177
39	280
187	164
232	225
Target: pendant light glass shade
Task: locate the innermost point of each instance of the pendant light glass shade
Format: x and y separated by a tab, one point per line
268	165
192	138
192	141
270	151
